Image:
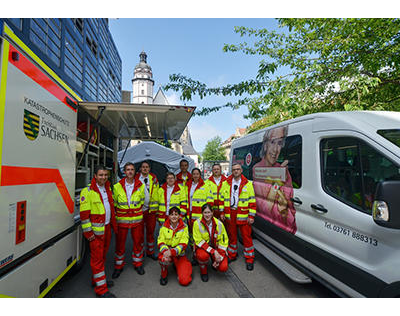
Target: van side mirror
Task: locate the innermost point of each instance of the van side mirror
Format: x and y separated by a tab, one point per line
386	207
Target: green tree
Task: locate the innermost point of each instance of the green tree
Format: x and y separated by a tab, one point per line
213	150
312	65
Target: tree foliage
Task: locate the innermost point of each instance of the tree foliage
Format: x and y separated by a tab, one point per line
312	65
213	150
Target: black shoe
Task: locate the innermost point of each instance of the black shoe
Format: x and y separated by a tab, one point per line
249	266
106	295
139	270
204	277
163	281
153	256
116	273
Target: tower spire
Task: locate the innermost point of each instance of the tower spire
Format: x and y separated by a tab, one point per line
143	57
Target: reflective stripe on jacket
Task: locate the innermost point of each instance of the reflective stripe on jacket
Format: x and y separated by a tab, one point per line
215	190
178	199
128	216
153	203
92	211
201	196
217	240
247	200
174	239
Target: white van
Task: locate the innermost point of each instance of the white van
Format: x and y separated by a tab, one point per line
327	188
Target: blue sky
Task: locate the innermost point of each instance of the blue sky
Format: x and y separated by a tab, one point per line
192	47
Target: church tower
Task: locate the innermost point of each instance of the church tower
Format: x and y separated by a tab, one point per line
142	82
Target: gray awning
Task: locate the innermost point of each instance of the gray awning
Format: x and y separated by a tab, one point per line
142	121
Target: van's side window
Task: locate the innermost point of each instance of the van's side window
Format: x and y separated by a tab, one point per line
351	169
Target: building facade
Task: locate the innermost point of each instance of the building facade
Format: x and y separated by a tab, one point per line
81	51
227	144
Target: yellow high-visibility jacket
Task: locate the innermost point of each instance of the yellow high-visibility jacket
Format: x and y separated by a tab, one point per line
153	185
174	239
128	216
215	190
178	199
201	196
247	200
210	243
92	211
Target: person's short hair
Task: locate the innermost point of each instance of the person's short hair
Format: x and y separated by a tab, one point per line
267	136
144	161
129	164
236	164
184	160
169	173
197	170
205	206
175	209
98	168
216	164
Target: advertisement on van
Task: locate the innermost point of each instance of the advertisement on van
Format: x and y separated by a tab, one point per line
275	169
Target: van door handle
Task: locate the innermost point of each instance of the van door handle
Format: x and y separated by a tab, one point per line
319	207
296	200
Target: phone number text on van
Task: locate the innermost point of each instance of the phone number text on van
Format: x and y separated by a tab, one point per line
353	234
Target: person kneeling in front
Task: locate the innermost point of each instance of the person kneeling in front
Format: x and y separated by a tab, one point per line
211	241
172	242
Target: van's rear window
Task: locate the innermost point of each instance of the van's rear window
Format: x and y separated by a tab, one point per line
392	135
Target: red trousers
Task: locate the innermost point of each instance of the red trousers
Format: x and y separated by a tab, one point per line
137	252
245	232
98	251
203	257
183	268
150	225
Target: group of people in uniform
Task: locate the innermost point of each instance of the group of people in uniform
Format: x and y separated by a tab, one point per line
191	212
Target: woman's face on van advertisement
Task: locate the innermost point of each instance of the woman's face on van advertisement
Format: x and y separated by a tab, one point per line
274	145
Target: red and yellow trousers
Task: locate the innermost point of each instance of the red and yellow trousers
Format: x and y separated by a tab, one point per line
203	257
245	232
138	241
98	251
182	265
149	219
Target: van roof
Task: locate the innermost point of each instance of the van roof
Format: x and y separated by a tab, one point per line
367	121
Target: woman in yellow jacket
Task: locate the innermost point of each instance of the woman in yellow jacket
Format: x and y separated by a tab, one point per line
170	194
211	241
172	243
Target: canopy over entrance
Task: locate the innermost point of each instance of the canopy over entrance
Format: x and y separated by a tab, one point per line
141	121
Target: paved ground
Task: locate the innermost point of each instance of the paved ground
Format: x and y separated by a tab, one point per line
263	282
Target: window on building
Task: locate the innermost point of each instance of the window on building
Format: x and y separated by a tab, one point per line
142	92
79	24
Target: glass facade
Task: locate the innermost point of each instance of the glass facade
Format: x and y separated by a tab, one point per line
80	51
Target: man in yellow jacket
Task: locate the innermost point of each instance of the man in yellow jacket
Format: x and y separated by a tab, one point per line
211	241
239	210
172	243
129	198
97	216
214	184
